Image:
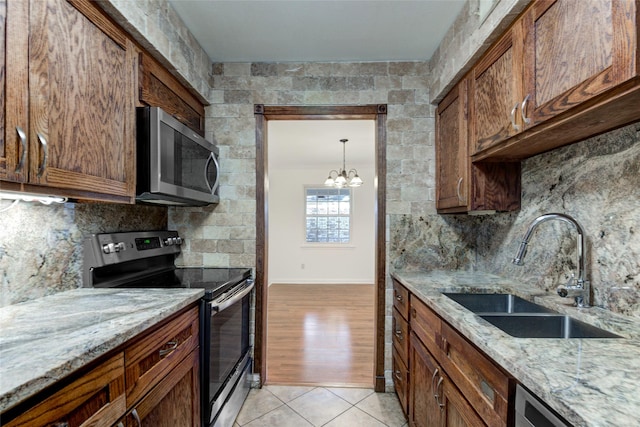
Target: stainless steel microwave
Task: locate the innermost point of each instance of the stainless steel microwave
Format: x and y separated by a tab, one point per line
175	165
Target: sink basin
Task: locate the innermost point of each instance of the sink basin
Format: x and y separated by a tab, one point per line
545	326
496	303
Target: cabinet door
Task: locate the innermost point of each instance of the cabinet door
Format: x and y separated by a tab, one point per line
82	74
452	150
575	51
457	411
496	92
14	38
424	374
174	402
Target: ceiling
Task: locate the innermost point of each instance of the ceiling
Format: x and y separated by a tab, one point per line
318	30
302	144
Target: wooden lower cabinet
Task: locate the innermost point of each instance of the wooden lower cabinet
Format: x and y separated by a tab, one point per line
153	382
433	399
443	379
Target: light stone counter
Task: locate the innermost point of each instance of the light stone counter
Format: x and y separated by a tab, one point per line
44	340
590	382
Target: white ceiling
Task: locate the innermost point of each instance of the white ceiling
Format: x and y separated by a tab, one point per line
301	144
318	30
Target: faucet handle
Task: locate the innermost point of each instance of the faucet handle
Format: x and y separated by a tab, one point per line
565	290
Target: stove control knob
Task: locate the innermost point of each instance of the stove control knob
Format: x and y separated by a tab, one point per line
120	247
109	248
168	241
178	241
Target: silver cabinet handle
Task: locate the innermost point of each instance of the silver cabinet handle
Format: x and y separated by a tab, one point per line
23	142
515	126
399	297
172	346
397	375
433	384
525	119
460	198
136	417
437	394
398	334
45	149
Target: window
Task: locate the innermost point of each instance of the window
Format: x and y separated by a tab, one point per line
328	215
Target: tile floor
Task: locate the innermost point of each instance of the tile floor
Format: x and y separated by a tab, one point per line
289	406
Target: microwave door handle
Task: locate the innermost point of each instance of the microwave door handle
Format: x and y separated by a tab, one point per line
217	308
212	158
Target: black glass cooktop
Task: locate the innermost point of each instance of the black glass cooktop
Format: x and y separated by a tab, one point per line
213	280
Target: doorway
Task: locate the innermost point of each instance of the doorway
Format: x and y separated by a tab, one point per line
263	115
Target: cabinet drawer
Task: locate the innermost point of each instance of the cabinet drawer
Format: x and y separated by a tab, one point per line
400	332
401	299
96	399
486	387
426	325
157	354
401	379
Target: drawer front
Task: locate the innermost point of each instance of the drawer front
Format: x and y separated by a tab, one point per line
401	380
96	399
401	299
400	335
153	357
426	325
486	387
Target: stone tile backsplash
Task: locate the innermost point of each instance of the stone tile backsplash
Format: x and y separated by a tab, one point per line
41	246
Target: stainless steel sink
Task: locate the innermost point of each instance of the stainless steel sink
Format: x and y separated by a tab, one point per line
525	319
545	326
497	303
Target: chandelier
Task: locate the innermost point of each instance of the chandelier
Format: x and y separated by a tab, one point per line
343	178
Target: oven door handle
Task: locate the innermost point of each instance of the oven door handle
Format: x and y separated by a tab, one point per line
221	304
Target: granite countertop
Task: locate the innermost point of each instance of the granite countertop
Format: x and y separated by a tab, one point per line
590	382
44	340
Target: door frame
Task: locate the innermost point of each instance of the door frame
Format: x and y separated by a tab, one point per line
263	114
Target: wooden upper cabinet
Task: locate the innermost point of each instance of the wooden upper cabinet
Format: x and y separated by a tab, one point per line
72	76
565	71
573	52
496	92
460	185
452	150
158	88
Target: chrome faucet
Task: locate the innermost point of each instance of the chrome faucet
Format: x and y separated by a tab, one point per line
579	287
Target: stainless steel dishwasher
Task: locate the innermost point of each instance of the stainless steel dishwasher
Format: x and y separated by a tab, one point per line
532	412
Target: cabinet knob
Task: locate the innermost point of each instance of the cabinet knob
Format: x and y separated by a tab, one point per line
398	297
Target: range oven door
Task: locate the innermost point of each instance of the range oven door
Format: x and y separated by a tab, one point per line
226	353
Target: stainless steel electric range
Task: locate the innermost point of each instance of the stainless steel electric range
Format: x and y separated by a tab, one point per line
146	260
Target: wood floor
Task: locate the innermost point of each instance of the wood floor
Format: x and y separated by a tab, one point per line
320	335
